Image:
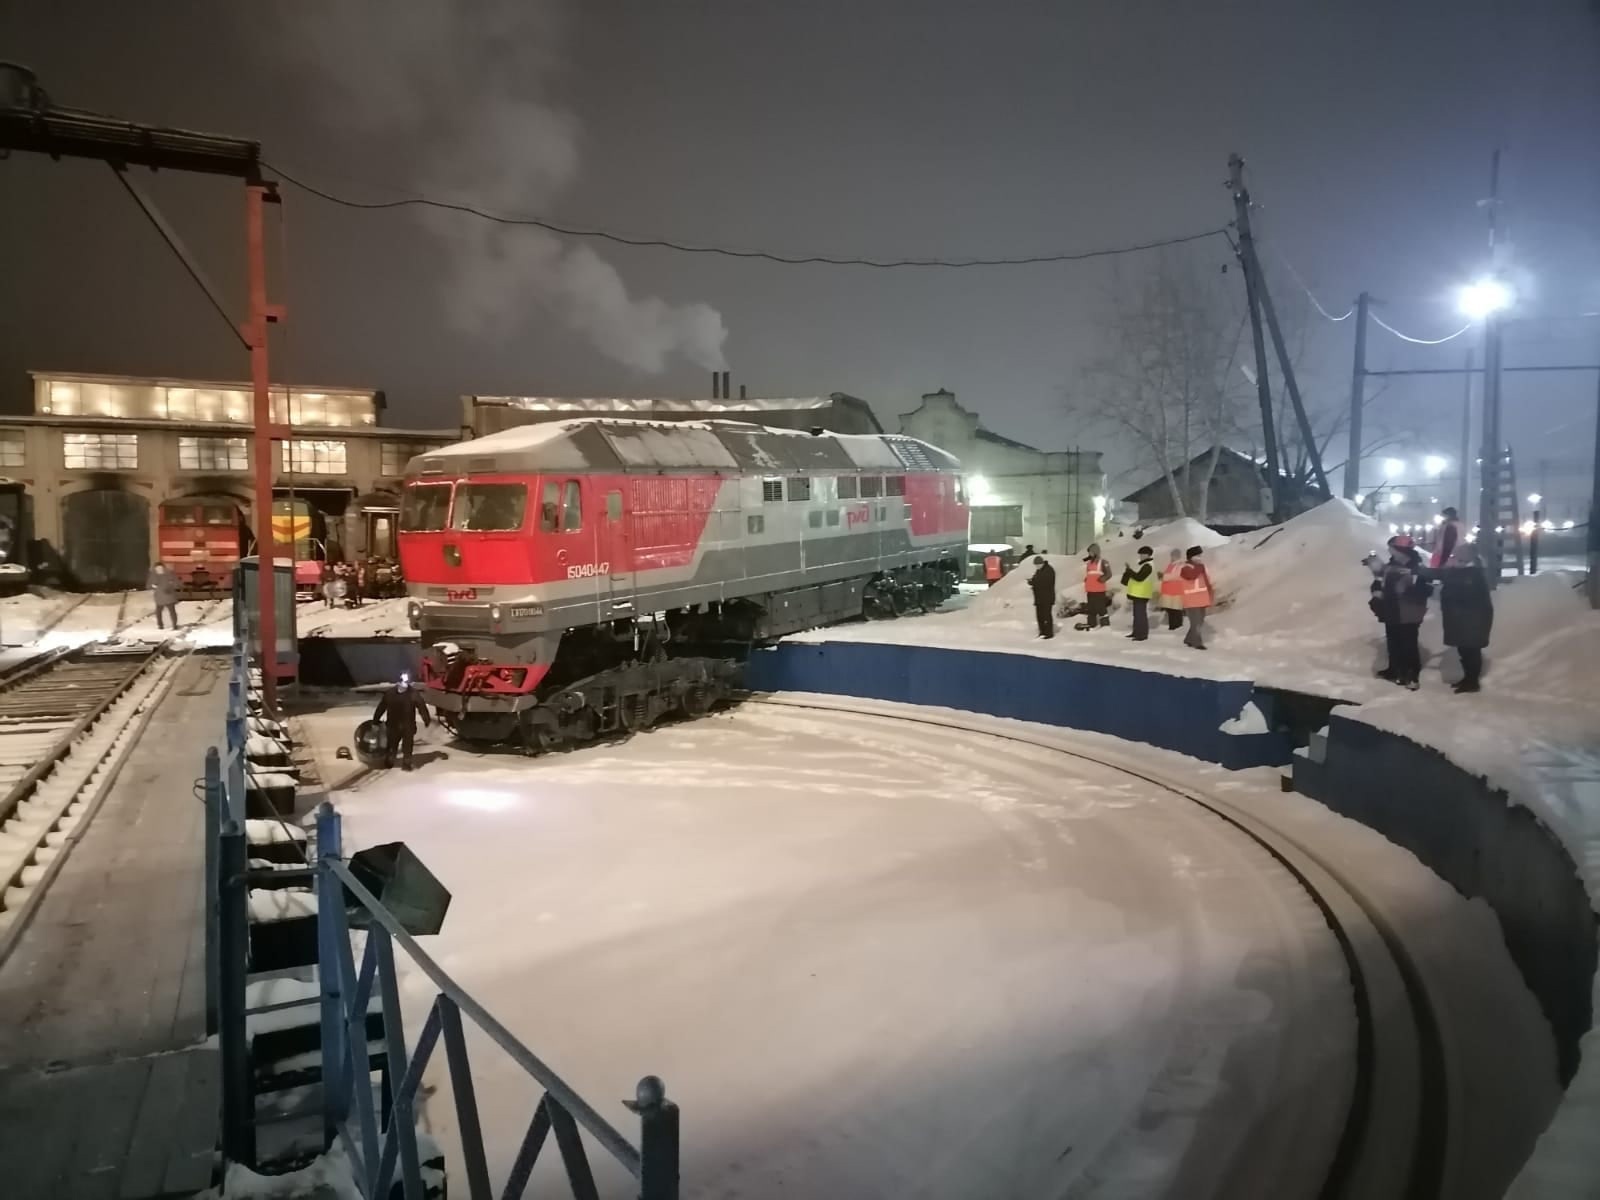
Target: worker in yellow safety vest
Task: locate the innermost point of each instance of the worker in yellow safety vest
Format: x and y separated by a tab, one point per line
1140	582
1172	589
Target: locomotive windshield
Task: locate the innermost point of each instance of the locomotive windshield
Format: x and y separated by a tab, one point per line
489	507
425	508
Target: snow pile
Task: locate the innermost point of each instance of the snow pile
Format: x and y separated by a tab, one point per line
1250	719
1182	533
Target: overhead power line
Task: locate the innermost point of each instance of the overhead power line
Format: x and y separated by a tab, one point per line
729	252
1306	288
1416	341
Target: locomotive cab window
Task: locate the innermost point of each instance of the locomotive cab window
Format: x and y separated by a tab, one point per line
425	507
572	507
961	491
489	507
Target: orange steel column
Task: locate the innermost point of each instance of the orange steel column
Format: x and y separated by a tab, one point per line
254	329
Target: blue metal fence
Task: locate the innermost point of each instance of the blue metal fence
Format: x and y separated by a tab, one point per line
380	1136
378	1143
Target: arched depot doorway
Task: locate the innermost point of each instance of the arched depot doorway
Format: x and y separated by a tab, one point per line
106	538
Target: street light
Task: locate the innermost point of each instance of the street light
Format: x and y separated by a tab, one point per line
1483	298
1534	498
1393	466
1434	465
1397	497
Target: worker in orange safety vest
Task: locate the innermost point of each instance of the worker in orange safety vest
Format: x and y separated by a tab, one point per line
992	568
1097	602
1172	589
1197	597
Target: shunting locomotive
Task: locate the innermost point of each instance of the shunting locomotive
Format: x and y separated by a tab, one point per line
581	577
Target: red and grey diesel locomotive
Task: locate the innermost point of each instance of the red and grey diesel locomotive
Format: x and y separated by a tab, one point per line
585	576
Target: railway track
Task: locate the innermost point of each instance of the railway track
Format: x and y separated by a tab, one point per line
67	720
1398	1136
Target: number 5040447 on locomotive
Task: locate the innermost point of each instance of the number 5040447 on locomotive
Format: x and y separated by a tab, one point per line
581	577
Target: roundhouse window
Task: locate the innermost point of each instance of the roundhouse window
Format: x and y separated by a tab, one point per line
894	485
800	488
771	490
871	485
847	487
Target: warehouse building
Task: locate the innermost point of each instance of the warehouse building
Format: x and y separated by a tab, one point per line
101	457
1019	495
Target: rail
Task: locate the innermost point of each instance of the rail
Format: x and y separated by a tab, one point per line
63	721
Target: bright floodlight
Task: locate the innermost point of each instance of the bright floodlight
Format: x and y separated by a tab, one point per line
1397	497
1534	497
1483	298
1393	466
1567	524
1435	464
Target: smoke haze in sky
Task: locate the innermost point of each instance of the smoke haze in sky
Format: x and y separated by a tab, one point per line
459	94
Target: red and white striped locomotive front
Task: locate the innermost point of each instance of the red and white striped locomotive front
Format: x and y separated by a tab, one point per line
512	542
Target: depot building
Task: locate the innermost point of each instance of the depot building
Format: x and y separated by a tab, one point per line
101	459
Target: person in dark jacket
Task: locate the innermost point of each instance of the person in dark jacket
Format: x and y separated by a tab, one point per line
399	710
1043	584
1140	584
1467	608
1400	601
164	584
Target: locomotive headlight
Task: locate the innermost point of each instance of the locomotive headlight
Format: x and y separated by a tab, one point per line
494	613
414	614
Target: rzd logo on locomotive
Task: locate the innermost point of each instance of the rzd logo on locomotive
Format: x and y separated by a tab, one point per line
588	570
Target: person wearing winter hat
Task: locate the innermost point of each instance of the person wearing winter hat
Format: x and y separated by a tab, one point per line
1197	597
1171	601
1140	584
1400	601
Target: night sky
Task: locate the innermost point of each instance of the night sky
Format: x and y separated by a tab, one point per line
921	128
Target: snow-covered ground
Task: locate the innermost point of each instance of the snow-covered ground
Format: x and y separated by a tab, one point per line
66	618
873	959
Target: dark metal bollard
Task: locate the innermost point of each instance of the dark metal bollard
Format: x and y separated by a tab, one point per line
238	1102
658	1140
212	796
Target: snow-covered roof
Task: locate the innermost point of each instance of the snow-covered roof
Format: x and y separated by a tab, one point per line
609	405
624	444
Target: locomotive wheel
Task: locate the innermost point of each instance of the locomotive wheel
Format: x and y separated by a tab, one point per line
635	711
698	699
542	738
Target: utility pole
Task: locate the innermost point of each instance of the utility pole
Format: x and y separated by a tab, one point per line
1492	468
1466	445
1241	215
1358	401
1594	515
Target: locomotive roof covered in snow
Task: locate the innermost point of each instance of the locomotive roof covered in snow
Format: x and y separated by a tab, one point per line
633	446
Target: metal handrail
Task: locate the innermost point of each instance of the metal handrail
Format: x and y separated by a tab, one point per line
599	1128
